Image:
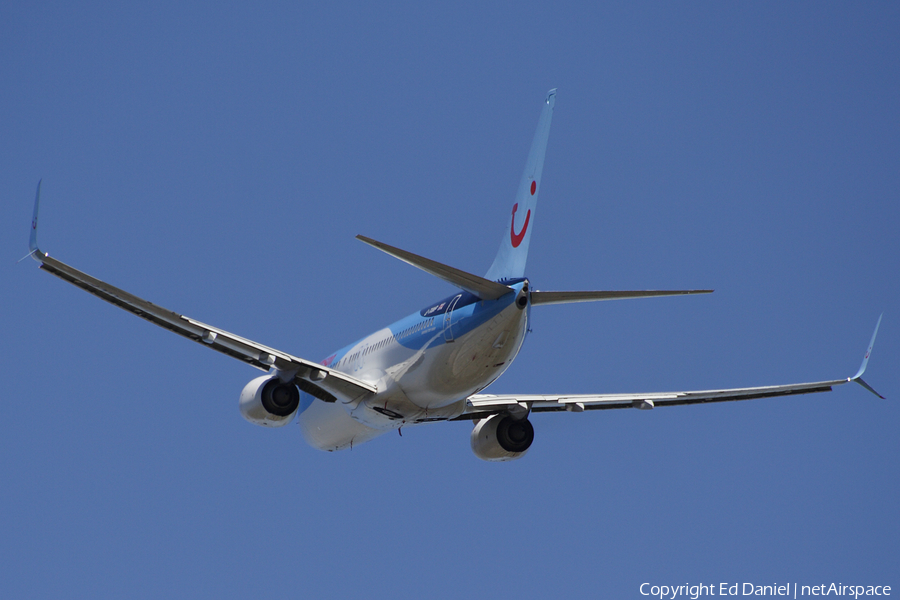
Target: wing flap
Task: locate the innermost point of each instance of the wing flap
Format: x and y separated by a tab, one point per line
315	379
483	405
486	404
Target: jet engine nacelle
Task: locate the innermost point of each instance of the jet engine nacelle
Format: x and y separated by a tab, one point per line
500	437
269	402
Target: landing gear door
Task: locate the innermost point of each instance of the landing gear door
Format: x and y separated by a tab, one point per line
448	319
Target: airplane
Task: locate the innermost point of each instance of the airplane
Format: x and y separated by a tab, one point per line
434	364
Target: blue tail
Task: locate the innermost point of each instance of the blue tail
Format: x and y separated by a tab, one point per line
510	260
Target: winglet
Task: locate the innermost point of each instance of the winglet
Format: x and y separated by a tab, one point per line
32	241
551	97
862	368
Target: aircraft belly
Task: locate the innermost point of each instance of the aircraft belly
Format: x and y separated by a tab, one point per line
327	426
390	408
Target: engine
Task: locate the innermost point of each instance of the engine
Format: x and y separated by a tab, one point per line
501	437
269	402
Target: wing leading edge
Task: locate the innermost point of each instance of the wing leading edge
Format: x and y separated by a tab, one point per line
484	405
313	378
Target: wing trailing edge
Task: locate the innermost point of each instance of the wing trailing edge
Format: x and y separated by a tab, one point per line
315	379
483	405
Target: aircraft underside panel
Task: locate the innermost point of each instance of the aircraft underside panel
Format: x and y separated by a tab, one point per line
328	426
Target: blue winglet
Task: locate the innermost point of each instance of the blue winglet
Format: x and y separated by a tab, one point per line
862	368
32	241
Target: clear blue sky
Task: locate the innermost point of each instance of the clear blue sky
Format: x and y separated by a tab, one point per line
218	159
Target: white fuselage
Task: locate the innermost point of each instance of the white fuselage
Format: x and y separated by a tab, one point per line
424	366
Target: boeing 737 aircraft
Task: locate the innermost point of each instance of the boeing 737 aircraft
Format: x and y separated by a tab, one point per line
432	365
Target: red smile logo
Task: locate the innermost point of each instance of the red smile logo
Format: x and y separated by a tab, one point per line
516	238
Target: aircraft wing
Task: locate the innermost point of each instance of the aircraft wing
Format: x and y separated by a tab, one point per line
313	378
484	405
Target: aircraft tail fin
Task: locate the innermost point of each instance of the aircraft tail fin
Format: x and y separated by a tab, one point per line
510	260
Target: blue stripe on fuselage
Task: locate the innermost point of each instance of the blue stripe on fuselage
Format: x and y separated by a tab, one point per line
420	328
468	312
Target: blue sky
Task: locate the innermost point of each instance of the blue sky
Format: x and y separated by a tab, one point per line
218	159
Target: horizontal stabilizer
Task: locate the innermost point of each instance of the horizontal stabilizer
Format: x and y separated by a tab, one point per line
481	287
538	297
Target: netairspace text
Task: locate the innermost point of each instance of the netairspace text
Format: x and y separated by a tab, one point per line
792	590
